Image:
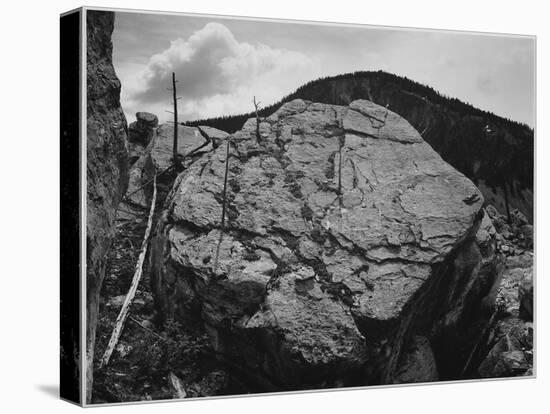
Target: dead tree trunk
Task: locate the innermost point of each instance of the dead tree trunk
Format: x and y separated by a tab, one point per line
123	315
177	162
256	106
224	202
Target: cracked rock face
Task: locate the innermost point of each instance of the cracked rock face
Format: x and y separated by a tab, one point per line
343	230
107	165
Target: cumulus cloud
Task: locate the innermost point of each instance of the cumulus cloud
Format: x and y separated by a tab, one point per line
217	74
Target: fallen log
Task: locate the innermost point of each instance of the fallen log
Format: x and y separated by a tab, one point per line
123	315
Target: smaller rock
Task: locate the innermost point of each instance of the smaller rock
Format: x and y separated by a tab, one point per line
124	349
147	119
141	131
518	218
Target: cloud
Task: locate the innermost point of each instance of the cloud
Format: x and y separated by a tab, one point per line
217	74
487	84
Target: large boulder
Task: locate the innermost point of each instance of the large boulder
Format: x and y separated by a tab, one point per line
346	236
107	165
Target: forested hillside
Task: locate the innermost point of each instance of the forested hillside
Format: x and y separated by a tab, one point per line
494	152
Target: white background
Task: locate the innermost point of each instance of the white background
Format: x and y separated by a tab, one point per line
29	203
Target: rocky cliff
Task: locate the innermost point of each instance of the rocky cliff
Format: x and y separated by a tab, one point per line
107	164
351	252
495	153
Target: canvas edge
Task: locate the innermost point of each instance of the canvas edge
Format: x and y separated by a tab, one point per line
308	22
83	140
74	86
83	203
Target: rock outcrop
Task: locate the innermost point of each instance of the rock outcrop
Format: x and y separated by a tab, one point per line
347	237
107	165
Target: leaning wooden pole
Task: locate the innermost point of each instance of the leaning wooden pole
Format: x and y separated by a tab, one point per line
256	106
224	202
123	315
177	162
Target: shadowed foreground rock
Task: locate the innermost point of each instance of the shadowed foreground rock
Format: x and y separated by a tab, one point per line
417	363
107	166
347	235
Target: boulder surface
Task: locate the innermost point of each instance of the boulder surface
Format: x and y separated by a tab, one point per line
346	236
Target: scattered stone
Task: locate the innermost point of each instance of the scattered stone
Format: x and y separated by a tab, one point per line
124	349
510	348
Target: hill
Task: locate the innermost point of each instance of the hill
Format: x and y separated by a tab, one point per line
496	153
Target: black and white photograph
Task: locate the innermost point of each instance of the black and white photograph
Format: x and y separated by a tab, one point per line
275	206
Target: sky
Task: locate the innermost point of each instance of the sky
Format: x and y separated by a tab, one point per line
222	63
